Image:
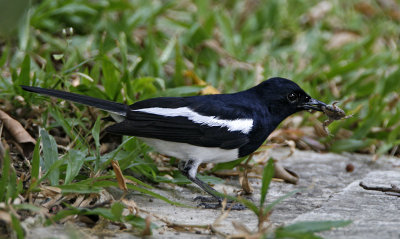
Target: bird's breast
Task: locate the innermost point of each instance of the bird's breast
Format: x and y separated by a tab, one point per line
186	151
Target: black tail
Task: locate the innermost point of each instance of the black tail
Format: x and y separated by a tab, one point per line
106	105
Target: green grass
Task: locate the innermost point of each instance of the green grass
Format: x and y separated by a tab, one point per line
132	50
140	49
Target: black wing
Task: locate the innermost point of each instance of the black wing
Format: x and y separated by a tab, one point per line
180	129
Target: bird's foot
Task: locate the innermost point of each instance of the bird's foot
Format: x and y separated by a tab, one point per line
231	206
215	203
207	199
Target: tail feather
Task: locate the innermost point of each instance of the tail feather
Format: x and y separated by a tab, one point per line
106	105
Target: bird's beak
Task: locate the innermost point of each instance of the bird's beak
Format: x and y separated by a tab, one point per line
313	104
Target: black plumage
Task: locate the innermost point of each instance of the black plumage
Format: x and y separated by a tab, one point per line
232	125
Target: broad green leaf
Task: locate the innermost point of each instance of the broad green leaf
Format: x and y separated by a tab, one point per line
54	167
50	155
268	173
75	160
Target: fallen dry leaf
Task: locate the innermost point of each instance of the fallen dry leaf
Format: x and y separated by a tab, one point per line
244	182
317	12
119	175
243	178
50	191
292	146
285	174
241	228
340	39
225	57
16	129
131	205
207	90
314	143
147	229
365	8
391	8
5	217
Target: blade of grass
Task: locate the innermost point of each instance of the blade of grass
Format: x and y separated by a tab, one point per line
315	226
69	130
269	207
96	137
5	176
268	173
116	151
139	182
17	227
156	195
24	76
36	161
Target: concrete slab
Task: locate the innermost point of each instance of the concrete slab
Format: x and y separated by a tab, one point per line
330	192
374	214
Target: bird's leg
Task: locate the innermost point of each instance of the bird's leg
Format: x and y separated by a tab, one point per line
189	169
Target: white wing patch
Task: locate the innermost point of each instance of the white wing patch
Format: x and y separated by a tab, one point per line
243	125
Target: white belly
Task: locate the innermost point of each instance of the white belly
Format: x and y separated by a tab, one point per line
186	151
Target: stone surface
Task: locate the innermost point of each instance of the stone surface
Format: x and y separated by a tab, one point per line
374	214
329	193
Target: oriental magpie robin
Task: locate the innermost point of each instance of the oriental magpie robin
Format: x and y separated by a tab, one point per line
206	128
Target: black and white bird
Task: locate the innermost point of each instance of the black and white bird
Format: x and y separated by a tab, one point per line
206	128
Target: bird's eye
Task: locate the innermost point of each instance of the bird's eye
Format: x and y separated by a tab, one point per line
292	97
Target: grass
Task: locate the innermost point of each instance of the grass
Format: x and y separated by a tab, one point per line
132	50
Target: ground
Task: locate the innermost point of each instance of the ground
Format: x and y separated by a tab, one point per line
331	192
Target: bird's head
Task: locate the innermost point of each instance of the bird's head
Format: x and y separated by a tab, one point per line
284	97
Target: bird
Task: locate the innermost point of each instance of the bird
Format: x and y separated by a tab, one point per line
203	128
